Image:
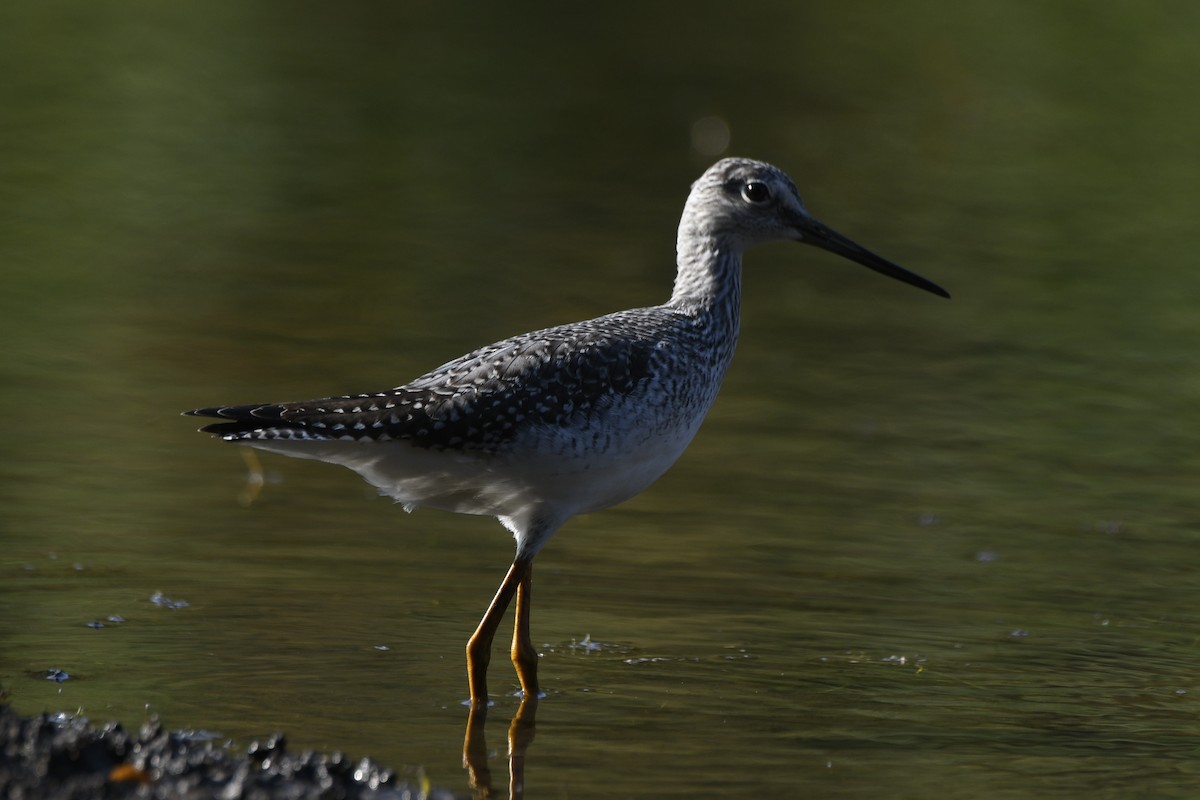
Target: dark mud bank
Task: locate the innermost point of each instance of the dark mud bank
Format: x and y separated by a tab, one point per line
67	757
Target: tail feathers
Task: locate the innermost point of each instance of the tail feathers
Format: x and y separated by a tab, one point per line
252	422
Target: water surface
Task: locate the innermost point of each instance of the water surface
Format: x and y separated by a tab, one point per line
920	548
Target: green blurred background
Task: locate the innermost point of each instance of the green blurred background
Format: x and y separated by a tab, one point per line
920	548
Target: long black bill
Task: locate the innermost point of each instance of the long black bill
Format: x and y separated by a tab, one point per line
815	233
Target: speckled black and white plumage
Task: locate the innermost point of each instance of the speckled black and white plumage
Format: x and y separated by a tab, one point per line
597	409
546	425
557	378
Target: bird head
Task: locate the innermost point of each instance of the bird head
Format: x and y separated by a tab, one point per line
739	202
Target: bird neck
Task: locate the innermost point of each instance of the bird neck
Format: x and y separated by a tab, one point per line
709	278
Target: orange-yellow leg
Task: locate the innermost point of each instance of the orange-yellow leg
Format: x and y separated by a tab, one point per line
524	654
479	647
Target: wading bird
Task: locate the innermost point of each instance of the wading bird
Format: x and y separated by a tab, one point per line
542	426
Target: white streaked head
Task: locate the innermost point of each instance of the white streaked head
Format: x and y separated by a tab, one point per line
739	202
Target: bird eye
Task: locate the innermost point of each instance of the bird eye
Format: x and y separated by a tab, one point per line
755	192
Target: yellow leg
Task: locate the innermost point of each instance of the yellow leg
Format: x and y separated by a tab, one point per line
524	654
479	647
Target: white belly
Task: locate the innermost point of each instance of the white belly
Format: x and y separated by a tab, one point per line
562	472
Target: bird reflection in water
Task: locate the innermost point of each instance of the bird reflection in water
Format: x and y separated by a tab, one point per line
475	749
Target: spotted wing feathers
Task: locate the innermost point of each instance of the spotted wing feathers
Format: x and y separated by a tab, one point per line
477	402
